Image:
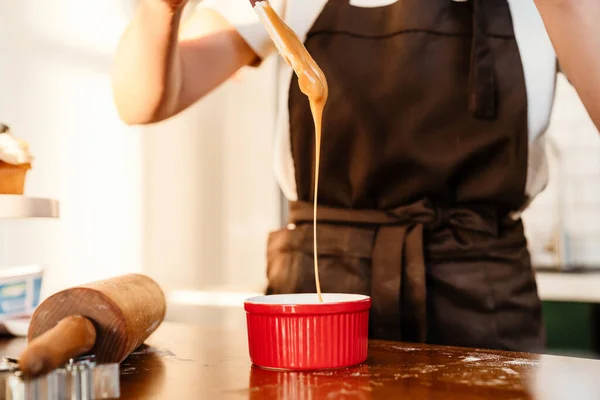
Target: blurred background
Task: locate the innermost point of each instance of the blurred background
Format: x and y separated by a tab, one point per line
190	201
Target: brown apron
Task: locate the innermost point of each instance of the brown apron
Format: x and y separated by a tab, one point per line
424	155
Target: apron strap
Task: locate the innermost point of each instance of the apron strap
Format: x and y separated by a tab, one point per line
414	304
386	283
399	295
482	80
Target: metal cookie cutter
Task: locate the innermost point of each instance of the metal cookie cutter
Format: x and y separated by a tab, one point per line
80	379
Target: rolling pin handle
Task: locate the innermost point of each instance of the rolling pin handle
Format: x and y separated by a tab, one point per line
71	337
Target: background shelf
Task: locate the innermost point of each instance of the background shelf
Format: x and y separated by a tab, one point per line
569	287
16	206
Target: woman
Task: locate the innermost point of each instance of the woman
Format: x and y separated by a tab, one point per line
432	145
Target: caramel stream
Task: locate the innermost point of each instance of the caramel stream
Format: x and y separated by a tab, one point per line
312	83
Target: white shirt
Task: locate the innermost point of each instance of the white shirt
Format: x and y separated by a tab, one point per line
537	57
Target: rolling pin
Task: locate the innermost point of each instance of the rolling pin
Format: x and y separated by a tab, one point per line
108	318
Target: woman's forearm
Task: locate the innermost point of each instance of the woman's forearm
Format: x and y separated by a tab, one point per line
147	76
159	70
574	28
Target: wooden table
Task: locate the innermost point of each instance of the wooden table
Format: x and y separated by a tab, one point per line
195	362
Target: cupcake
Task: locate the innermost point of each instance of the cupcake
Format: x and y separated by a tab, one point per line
15	161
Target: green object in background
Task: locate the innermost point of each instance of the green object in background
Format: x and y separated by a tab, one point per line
568	327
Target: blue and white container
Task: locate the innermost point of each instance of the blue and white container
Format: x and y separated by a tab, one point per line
20	291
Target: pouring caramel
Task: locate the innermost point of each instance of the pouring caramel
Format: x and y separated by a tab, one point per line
312	83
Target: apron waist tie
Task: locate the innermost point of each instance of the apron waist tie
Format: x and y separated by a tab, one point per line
399	304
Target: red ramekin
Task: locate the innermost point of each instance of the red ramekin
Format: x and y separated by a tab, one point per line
297	332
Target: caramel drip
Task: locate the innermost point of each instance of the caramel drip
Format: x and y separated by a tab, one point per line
312	83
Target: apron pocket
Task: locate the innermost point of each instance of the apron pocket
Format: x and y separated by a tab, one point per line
344	259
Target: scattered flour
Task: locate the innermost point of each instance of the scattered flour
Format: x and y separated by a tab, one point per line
510	371
522	361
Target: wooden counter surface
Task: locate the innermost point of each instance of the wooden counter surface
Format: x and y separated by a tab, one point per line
194	362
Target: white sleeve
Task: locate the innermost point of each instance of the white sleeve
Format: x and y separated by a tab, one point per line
241	15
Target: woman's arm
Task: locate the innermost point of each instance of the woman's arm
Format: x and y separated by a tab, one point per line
574	28
160	70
